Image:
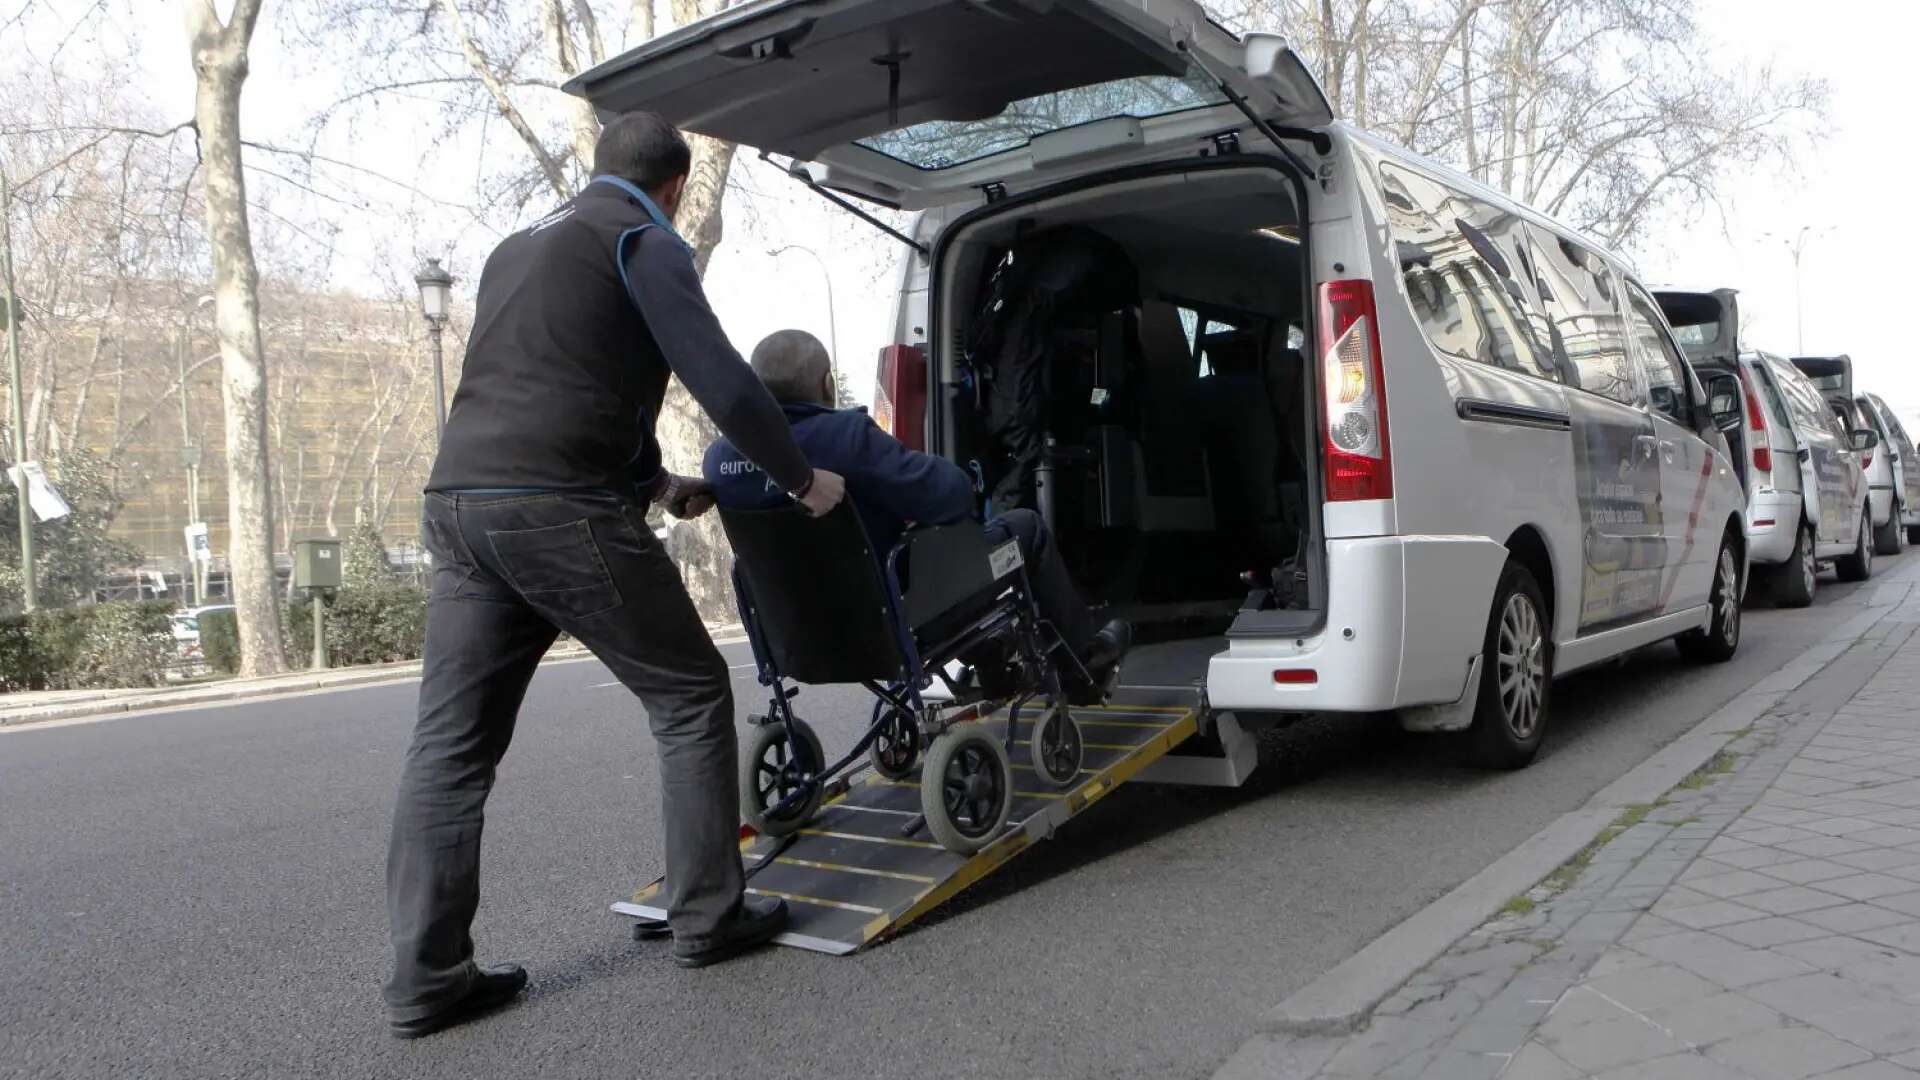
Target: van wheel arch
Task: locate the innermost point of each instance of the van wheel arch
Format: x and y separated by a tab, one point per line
1528	547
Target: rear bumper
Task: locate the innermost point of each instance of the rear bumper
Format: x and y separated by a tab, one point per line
1773	517
1405	617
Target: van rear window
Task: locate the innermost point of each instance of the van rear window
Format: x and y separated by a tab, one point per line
942	144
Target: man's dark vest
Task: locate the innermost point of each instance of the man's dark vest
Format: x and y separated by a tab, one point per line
562	379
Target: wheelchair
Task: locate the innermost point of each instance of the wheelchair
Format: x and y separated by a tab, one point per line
819	608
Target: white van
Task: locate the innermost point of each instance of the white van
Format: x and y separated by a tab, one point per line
1904	463
1806	495
1365	434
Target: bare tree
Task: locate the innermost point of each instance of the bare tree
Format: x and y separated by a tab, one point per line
220	57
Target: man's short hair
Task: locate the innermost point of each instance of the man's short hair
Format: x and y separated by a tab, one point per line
793	364
643	149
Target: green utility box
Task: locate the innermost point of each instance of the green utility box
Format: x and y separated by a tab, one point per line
316	564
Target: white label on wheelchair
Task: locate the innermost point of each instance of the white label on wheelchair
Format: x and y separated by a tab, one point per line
1005	559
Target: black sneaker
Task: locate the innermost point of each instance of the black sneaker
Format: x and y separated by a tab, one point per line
492	987
758	920
1110	644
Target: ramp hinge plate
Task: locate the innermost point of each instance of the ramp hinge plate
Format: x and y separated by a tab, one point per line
1226	142
994	191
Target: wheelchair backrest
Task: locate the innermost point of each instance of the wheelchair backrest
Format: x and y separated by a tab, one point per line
811	594
947	574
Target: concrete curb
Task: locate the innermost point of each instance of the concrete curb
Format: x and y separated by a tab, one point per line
1341	999
221	694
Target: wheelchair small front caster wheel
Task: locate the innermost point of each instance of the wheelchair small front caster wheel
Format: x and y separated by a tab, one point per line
770	771
896	747
966	788
1056	749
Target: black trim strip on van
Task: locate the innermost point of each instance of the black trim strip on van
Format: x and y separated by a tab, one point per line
1503	412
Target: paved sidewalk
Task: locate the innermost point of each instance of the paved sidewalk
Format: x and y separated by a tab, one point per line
1761	920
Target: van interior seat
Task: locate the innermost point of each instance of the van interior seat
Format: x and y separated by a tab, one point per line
1171	482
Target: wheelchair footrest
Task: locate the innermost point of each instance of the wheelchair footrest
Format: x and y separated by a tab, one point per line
855	874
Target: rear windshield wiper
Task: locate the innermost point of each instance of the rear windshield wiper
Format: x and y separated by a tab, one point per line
799	172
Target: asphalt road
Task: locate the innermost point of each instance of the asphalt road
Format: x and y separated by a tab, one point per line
199	893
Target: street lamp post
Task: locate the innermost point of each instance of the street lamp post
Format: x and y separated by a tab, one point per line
833	323
436	290
196	580
29	594
1797	247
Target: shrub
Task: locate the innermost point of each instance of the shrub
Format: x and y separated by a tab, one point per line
365	625
220	640
87	647
363	560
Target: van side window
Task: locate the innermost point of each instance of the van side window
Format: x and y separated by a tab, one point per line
1770	393
1588	329
1459	266
1666	375
1809	414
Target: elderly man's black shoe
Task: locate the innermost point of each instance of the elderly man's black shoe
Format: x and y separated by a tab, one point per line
758	920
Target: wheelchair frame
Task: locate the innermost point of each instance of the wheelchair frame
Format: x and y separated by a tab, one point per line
1014	609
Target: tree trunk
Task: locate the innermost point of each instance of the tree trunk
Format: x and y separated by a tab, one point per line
220	71
684	431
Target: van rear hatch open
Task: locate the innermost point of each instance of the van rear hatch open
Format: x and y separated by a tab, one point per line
1833	375
1706	322
916	103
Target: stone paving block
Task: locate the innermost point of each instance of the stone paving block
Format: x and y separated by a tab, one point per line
1904	937
1871	1070
1853	918
1651	988
1771	835
1579	1007
1607	1044
1711	1019
1674	1067
1889	835
1897	975
1651	925
1602	927
1825	847
1460	1065
1753	856
1884	1027
1504	955
1809	995
1832	953
1484	1035
1792	900
1766	933
1906	902
1725	844
1536	1062
1786	1053
1711	914
1866	886
1619	960
1809	871
1735	884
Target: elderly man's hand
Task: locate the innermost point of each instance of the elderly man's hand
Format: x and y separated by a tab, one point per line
825	493
686	497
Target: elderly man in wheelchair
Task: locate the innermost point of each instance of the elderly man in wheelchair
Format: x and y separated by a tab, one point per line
897	590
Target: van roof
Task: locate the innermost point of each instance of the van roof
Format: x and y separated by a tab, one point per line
1478	190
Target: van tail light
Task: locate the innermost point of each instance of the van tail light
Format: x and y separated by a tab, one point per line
1866	461
1757	420
900	398
1359	461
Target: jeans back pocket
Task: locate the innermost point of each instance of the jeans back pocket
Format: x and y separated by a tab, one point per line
557	567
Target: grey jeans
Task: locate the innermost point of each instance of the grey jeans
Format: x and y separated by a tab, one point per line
511	572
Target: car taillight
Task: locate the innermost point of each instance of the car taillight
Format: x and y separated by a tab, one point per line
900	400
1757	419
1359	463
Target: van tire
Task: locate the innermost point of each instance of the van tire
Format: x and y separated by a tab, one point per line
1890	539
1716	642
1507	726
1913	534
1794	581
1859	565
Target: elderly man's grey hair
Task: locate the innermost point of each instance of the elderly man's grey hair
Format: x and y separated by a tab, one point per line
795	367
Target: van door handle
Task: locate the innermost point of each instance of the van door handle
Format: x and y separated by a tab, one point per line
1644	446
1666	451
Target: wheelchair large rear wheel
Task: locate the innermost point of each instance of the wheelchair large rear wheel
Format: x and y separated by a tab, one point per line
770	771
897	747
1055	747
966	788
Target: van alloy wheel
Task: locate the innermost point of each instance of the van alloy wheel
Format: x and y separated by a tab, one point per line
1520	667
1809	566
1729	599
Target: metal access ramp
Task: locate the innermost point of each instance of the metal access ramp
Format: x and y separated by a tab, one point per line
851	878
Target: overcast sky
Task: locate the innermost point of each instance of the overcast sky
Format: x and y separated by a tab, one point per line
1852	198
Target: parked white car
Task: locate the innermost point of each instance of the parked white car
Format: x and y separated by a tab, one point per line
1905	461
1367	434
1806	494
1889	474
